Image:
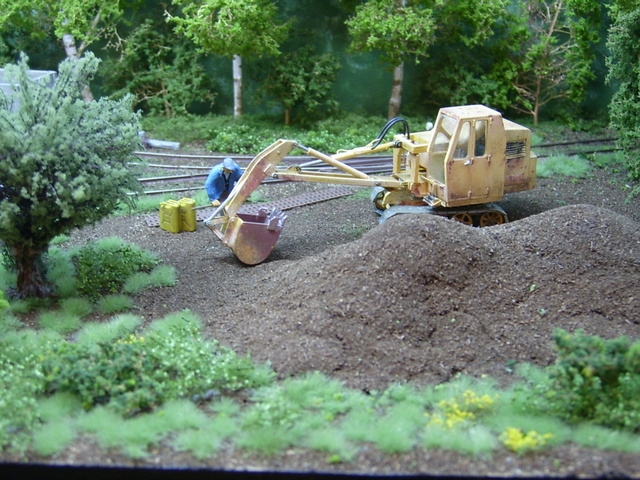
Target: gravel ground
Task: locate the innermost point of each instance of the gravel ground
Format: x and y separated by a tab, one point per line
417	299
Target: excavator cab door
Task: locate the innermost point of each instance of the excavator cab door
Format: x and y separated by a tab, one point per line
466	159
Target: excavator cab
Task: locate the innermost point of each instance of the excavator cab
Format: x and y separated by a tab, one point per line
464	161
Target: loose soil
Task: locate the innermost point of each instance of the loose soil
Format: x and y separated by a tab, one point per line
418	298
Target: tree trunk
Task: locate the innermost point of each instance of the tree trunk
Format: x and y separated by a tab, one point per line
237	86
396	91
31	280
69	43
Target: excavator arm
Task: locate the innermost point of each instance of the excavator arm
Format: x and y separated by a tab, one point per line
253	237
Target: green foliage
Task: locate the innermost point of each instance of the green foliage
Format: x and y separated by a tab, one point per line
231	27
139	373
593	379
3	302
53	437
624	72
250	135
168	368
104	267
20	383
60	272
59	321
554	59
87	20
80	307
183	128
114	303
160	276
9	323
570	166
64	163
161	70
301	82
394	30
120	326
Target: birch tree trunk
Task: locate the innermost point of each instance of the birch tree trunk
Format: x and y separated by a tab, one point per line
70	49
237	86
396	91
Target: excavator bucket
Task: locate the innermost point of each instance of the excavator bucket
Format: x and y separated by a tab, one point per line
252	237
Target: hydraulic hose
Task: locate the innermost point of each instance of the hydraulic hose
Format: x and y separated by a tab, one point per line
388	126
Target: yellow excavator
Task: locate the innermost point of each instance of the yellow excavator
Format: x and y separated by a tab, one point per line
468	160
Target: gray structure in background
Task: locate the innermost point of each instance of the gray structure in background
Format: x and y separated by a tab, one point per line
48	77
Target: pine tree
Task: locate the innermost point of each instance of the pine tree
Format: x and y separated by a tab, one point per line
63	163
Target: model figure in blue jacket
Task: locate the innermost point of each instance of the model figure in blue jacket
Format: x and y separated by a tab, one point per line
221	180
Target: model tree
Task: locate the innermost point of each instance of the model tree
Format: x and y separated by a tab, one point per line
556	58
76	23
624	71
232	28
63	163
408	29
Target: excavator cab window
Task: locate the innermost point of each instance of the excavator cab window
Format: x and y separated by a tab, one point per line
445	128
481	138
462	147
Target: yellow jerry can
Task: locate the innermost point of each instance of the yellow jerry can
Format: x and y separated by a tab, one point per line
188	221
170	216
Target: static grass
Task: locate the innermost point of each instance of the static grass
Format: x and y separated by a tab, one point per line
80	307
9	323
7	278
602	438
201	443
361	194
224	407
311	411
115	303
61	272
357	425
53	437
32	340
58	406
395	431
175	321
132	437
177	415
207	439
268	439
474	440
569	166
332	440
608	159
59	321
118	327
27	305
160	276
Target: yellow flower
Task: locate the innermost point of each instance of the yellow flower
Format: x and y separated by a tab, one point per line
517	441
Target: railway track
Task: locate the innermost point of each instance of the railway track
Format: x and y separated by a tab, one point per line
191	170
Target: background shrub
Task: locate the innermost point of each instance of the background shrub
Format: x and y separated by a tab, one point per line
594	379
103	267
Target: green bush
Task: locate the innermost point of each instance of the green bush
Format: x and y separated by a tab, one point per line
140	372
103	267
21	384
595	379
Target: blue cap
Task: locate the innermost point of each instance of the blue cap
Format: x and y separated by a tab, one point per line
228	163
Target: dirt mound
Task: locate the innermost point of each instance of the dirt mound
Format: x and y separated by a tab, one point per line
422	298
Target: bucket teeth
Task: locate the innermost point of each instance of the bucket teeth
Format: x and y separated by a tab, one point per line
275	220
